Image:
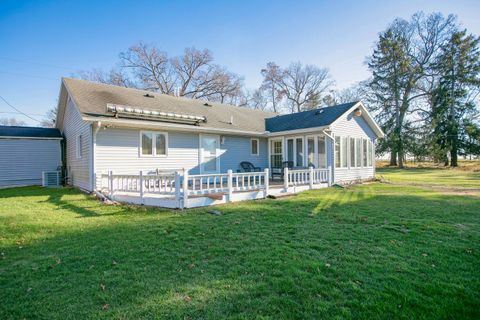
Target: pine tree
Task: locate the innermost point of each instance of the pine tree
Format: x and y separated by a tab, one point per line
458	69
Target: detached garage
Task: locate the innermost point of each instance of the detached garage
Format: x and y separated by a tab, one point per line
26	152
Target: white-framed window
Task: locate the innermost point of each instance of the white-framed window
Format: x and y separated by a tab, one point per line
358	152
370	153
341	152
365	152
78	146
153	144
295	152
352	152
254	147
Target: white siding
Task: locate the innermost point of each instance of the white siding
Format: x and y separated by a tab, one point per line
350	126
118	150
23	160
78	169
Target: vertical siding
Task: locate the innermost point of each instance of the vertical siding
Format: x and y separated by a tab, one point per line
237	149
118	150
73	125
23	160
350	126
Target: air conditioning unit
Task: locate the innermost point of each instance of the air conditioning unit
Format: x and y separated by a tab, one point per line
51	178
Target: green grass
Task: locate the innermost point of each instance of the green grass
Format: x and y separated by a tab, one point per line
374	251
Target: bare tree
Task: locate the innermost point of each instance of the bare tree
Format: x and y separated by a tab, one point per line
50	118
304	86
12	122
150	66
115	76
256	99
272	76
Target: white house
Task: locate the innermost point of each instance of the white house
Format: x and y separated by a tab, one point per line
118	137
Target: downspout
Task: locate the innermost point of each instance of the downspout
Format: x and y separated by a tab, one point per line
332	167
96	125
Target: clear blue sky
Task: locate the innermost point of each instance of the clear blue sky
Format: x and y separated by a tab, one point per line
41	41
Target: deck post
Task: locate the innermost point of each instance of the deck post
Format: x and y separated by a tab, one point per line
177	188
285	179
141	187
110	183
230	184
185	188
311	177
329	178
267	181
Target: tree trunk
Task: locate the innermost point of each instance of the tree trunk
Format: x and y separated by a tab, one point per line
454	153
400	157
393	158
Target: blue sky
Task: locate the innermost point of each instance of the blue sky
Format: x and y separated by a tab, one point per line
41	41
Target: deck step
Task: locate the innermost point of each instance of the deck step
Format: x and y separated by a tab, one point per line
281	195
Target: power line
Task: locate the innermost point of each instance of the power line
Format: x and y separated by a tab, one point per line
26	115
30	114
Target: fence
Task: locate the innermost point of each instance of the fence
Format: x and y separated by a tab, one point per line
182	186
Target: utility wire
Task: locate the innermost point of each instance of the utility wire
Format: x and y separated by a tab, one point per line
26	115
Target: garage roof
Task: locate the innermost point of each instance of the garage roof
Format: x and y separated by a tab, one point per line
29	132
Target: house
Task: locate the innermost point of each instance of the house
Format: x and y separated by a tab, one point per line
127	133
27	152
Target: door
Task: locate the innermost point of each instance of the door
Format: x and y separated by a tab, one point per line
295	151
209	153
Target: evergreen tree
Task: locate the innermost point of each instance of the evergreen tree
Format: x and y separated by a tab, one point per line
458	69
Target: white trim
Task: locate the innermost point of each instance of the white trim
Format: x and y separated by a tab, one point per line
200	153
370	120
258	146
155	125
296	131
294	138
154	144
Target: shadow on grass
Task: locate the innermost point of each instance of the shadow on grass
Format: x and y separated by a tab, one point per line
322	254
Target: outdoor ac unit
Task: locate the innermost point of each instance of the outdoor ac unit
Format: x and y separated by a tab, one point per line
51	178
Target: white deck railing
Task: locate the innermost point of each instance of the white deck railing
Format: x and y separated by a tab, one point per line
308	176
181	186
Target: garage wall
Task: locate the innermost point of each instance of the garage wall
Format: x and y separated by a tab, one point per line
23	160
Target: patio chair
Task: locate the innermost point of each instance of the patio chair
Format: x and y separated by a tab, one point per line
278	171
249	167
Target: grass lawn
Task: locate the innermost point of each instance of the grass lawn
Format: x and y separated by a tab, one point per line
372	251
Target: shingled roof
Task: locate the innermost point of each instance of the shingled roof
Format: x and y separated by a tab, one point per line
29	132
92	98
307	119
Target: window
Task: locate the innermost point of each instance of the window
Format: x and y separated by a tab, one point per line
254	147
153	143
322	159
79	147
299	152
358	152
344	155
365	152
337	152
276	154
352	152
370	153
311	151
290	150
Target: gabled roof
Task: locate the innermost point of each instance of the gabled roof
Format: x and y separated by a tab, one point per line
29	132
92	98
308	119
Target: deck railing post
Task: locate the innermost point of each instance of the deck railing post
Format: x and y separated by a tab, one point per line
267	182
177	188
285	178
230	184
141	187
185	188
110	182
329	176
311	177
